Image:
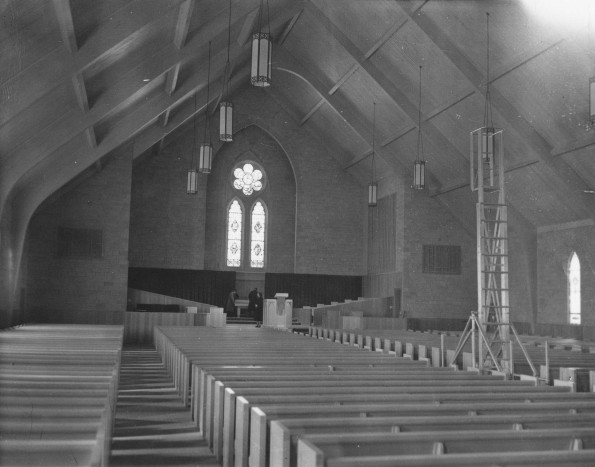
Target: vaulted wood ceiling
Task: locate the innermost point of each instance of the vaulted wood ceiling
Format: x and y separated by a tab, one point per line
80	78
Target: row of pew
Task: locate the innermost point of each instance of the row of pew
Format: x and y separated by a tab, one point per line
58	392
262	397
557	361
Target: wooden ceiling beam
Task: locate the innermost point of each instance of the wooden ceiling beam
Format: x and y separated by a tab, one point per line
346	111
171	80
80	90
144	115
64	17
569	179
183	23
396	95
289	27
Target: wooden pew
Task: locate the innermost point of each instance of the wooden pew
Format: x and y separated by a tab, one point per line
311	456
285	433
241	382
58	386
440	443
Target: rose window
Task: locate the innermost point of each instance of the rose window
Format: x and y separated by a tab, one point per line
248	179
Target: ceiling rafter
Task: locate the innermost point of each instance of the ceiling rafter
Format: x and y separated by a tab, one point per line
145	113
183	23
64	17
171	79
568	178
344	109
80	91
285	62
117	95
395	94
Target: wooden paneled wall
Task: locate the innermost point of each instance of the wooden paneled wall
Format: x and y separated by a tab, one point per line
211	287
312	289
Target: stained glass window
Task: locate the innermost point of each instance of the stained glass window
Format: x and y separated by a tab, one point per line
248	179
258	227
234	234
574	290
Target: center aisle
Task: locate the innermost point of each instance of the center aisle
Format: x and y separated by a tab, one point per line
153	428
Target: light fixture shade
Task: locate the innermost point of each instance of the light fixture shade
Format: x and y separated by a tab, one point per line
419	175
205	158
260	74
372	194
225	121
488	143
192	186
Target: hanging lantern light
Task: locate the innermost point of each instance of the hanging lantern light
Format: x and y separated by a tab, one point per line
225	106
419	166
192	186
206	148
373	186
205	160
260	74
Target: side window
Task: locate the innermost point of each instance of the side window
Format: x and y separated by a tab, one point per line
234	234
574	290
257	235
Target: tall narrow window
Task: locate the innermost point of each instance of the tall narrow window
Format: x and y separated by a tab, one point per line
234	234
257	235
574	290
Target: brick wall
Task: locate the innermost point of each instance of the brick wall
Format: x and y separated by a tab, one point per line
102	202
316	209
554	248
167	227
435	295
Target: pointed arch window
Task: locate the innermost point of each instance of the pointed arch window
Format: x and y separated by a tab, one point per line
234	234
574	290
257	235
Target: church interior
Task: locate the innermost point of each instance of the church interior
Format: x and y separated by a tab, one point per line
411	179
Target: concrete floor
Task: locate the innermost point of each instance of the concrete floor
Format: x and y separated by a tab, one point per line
153	428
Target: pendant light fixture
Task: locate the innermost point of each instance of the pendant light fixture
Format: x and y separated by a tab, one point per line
260	74
226	106
192	184
206	148
419	166
373	186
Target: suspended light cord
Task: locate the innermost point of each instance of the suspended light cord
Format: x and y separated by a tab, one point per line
194	133
227	73
260	17
373	143
208	97
420	144
487	116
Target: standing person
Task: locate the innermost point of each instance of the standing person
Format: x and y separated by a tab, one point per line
259	309
252	296
231	302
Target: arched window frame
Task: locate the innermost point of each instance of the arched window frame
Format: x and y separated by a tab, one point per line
574	289
261	242
230	260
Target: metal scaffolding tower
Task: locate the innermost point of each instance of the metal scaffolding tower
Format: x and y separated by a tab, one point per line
490	328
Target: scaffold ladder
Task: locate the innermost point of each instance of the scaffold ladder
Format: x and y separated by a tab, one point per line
490	328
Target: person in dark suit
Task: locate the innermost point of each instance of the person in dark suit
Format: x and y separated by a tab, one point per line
252	296
231	302
258	309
